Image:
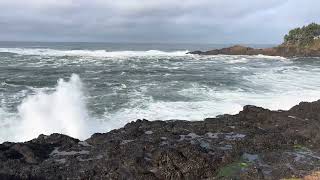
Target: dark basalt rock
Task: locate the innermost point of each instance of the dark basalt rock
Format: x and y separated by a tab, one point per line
283	50
255	144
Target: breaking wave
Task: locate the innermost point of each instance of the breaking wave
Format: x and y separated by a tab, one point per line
178	86
64	108
61	111
91	53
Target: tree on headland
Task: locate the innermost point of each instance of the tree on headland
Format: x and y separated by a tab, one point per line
303	36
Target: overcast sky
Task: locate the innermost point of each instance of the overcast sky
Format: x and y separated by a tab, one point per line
198	21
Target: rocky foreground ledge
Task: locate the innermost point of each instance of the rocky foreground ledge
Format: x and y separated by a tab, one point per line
255	144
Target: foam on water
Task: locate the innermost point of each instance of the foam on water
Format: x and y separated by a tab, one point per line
269	57
217	103
64	109
91	53
274	88
187	87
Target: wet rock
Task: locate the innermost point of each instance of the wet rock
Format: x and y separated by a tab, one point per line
255	144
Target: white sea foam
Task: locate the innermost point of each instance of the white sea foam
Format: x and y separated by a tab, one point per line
269	57
234	59
63	108
274	88
238	60
91	53
230	102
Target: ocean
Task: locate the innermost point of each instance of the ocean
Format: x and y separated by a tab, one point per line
82	88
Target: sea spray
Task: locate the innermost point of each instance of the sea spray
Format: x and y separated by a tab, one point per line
62	111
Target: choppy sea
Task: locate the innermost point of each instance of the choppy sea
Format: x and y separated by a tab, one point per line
82	88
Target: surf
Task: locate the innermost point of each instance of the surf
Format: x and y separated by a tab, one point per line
91	53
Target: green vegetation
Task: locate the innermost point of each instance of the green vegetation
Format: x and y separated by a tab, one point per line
232	170
304	36
298	147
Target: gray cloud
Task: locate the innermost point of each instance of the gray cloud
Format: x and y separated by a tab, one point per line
204	21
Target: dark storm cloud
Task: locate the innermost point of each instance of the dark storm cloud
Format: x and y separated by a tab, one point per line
214	21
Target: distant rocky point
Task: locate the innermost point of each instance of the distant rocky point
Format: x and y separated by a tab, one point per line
299	42
255	144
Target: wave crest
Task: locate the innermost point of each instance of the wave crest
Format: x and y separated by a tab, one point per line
91	53
63	111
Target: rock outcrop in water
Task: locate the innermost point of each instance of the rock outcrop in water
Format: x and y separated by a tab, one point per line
282	50
299	42
255	144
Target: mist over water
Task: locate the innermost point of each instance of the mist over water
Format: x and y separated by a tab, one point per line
79	90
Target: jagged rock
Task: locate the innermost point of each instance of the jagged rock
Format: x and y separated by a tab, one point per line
255	144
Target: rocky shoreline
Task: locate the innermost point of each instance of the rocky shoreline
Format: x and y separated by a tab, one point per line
282	50
299	42
255	144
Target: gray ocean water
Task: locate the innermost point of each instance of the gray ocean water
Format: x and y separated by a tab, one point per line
82	88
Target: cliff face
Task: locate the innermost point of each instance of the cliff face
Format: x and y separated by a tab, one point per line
255	144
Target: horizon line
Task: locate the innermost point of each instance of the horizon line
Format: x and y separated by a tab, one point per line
131	42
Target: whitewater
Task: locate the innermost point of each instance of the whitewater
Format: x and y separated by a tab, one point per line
81	91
